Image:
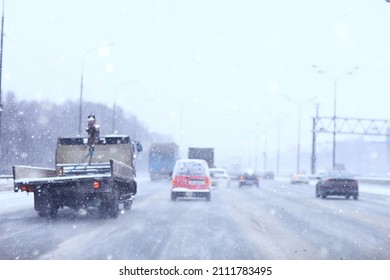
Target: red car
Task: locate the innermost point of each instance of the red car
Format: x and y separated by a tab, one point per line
190	178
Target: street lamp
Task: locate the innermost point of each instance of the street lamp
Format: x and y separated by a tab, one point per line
1	74
335	81
279	123
299	105
82	77
265	136
114	106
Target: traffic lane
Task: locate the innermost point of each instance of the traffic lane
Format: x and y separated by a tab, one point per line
158	228
337	227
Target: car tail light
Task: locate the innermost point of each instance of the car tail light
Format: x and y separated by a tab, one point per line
174	182
207	181
26	188
241	177
328	183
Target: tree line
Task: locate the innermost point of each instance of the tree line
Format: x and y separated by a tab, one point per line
30	129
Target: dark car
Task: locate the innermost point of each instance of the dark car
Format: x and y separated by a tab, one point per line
341	183
248	179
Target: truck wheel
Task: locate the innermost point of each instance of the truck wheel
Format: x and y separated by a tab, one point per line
113	209
44	204
103	210
108	210
114	213
109	207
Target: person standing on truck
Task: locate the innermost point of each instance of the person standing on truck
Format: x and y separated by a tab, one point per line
93	130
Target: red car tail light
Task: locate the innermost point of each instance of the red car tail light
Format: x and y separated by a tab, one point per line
174	182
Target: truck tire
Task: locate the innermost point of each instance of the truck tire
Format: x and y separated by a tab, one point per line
114	211
44	204
113	206
109	207
109	210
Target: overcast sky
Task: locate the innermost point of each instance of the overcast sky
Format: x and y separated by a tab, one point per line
211	73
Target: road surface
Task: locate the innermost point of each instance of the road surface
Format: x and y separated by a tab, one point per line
277	221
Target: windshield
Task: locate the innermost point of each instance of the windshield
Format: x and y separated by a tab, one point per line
189	168
217	173
339	175
170	132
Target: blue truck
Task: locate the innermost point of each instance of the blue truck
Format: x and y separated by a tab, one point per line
162	158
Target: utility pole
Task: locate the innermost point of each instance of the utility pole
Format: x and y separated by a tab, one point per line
313	152
335	80
1	74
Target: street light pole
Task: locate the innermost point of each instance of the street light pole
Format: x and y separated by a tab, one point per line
299	105
82	82
334	123
265	136
299	138
1	74
335	81
265	151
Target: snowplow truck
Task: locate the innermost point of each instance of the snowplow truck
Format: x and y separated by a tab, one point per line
102	177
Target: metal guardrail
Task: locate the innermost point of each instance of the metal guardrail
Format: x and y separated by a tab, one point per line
374	180
366	180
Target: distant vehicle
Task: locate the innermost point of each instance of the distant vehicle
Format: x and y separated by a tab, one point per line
339	166
268	175
248	179
337	182
299	178
219	177
190	178
162	158
202	153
